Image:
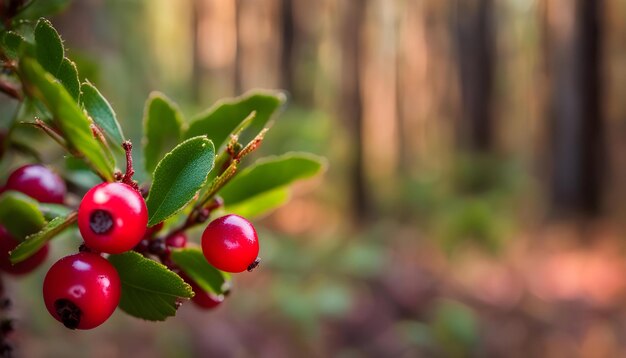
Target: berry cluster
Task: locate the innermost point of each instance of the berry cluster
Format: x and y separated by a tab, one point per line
43	185
83	289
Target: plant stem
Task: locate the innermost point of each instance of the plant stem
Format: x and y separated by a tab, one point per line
209	201
11	90
130	171
52	133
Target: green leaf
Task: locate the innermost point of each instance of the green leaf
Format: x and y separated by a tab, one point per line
20	214
40	8
225	116
102	113
260	204
67	114
51	211
11	43
50	50
178	177
270	173
195	265
162	123
68	75
36	241
149	289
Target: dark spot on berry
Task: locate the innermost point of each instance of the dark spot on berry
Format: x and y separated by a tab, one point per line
100	222
253	265
70	314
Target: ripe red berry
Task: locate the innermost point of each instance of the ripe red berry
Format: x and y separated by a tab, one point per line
202	298
82	290
177	241
230	243
38	182
7	244
206	300
112	218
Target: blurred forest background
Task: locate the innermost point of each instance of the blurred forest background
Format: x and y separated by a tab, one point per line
473	203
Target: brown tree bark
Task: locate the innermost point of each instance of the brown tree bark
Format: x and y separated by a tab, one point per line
578	152
474	37
287	45
351	103
238	85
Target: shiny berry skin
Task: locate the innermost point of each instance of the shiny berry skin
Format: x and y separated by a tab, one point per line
112	218
176	241
204	299
38	182
230	243
7	244
82	290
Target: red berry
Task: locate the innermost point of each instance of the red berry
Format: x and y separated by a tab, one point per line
230	243
177	241
7	244
202	298
112	218
38	182
82	290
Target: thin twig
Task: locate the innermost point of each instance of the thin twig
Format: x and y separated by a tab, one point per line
11	90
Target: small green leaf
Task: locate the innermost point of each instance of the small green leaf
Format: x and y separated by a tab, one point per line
68	75
149	289
36	241
11	43
260	204
50	50
102	113
20	214
178	177
270	173
67	114
225	116
40	8
162	123
195	265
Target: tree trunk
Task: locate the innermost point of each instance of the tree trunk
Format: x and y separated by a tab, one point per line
578	146
287	45
237	78
475	56
197	71
351	102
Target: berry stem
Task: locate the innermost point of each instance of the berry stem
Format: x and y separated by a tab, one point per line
130	171
228	163
253	145
197	216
